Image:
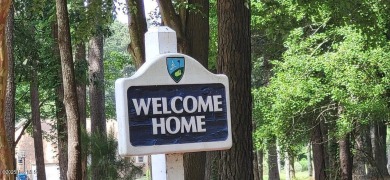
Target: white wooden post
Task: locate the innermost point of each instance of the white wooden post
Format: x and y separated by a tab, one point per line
161	40
175	168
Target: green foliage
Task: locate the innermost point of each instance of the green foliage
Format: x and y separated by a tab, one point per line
304	164
87	21
117	63
213	43
33	40
193	7
333	67
80	67
105	148
119	39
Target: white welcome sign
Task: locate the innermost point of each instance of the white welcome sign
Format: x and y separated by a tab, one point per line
172	104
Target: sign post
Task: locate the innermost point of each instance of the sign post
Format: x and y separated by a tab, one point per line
171	105
159	41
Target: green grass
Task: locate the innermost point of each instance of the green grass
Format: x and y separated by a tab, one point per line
299	176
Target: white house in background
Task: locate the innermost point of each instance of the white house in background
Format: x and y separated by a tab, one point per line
25	151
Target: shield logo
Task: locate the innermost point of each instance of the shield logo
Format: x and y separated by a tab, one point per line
175	67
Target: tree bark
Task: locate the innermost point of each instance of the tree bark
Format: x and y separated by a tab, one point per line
197	32
194	164
9	114
359	170
212	160
70	95
345	158
287	166
378	140
25	126
62	130
96	90
273	168
96	98
171	19
309	163
332	164
6	160
292	170
260	156
192	31
137	30
256	173
234	60
96	85
36	121
387	152
362	155
81	78
278	156
371	171
318	153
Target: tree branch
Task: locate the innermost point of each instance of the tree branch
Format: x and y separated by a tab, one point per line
173	20
137	29
22	132
27	124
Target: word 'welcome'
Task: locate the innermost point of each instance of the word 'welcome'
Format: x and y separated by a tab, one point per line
178	105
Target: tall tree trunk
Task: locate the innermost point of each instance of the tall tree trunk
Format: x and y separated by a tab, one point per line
345	158
96	97
96	85
256	173
287	166
318	153
192	31
333	163
278	156
137	29
234	60
194	164
292	169
62	130
378	140
36	121
172	19
273	168
388	153
96	90
331	151
6	159
362	156
81	78
212	160
197	33
309	159
9	114
371	171
260	156
70	94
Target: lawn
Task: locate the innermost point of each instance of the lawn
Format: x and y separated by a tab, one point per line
299	176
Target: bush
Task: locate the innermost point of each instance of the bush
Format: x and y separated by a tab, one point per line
105	148
304	164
